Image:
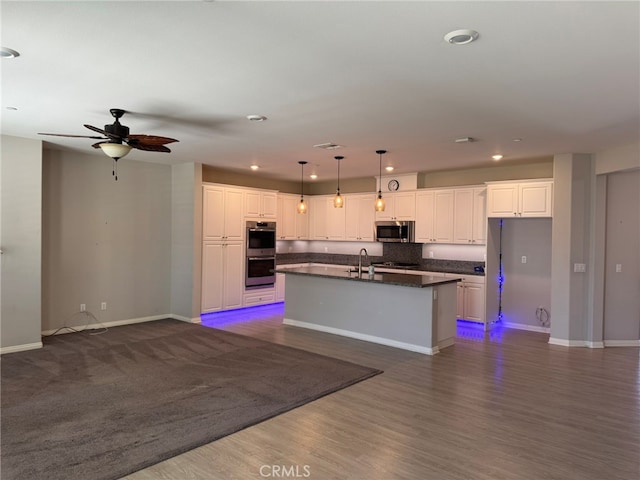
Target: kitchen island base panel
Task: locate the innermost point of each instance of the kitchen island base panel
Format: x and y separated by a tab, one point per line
416	319
367	338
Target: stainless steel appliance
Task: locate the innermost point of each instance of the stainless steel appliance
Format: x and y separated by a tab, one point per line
261	254
395	231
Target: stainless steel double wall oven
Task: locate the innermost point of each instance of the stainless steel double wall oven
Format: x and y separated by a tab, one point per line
261	254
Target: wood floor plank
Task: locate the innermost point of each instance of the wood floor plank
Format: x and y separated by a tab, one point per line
497	405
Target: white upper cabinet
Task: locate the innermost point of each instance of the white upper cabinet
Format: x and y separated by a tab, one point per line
291	225
398	206
469	219
434	216
286	220
317	212
260	204
521	199
327	222
359	217
223	209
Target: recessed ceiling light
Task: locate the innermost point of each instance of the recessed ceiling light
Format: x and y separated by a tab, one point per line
389	168
328	146
465	140
517	139
313	176
461	37
12	108
256	118
497	157
254	167
8	53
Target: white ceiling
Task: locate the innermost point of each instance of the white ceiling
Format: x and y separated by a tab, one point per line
562	76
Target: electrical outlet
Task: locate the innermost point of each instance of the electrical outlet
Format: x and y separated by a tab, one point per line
103	306
579	267
524	259
326	249
430	253
618	267
83	307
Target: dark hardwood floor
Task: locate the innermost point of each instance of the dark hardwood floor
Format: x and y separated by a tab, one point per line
497	405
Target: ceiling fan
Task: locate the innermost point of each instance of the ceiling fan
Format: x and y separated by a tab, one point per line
118	142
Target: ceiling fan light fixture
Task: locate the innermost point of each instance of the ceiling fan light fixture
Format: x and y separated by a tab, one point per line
115	150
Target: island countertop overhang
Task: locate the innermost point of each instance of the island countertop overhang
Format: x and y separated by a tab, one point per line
398	279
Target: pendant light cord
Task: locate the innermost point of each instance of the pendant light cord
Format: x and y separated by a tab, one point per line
380	152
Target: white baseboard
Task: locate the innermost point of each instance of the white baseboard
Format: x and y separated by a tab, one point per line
588	344
185	319
20	348
622	343
116	323
530	328
361	336
567	343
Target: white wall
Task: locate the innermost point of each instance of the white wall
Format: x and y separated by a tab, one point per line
526	285
20	240
104	240
186	240
622	289
625	157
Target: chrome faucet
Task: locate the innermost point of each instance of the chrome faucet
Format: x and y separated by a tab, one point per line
360	259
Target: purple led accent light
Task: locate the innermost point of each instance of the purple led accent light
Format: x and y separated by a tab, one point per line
242	315
476	332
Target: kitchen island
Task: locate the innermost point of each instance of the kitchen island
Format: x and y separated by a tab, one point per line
412	312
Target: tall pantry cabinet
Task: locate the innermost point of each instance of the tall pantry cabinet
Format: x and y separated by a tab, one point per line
223	248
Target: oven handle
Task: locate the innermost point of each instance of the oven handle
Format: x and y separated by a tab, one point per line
261	258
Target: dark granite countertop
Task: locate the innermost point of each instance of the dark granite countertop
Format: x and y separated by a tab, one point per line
398	279
460	267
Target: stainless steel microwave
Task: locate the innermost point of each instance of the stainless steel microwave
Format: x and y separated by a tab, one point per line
395	231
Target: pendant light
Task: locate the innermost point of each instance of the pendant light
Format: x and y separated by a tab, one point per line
338	201
302	207
379	200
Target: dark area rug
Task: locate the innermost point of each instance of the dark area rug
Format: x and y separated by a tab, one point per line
103	406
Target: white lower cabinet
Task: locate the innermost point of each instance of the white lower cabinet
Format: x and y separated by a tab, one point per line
471	302
280	287
222	275
260	296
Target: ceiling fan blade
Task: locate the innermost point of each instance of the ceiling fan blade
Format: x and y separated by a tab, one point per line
73	136
150	139
103	132
149	148
97	145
